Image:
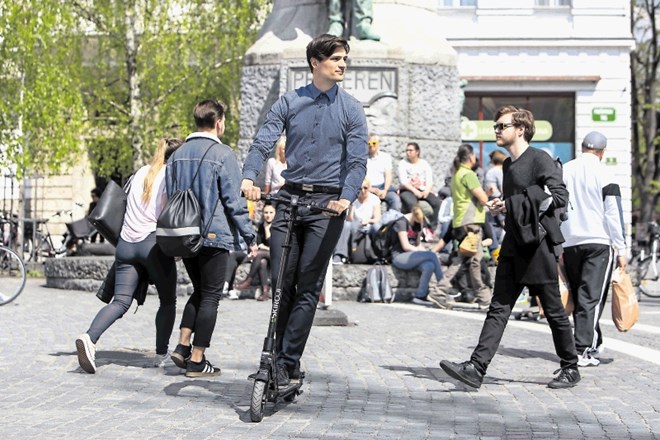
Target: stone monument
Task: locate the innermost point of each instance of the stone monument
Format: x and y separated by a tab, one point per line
408	81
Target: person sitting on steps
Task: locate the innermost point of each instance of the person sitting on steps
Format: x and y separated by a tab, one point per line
260	266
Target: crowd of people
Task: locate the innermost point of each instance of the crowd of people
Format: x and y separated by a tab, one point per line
329	159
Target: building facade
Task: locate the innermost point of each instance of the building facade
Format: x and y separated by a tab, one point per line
568	61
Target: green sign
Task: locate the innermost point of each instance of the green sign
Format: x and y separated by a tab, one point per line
610	161
603	114
483	130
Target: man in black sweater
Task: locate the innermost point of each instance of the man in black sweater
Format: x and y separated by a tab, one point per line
529	252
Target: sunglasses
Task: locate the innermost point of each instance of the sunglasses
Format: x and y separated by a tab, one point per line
373	143
500	126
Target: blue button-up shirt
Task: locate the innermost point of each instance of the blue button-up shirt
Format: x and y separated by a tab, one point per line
326	139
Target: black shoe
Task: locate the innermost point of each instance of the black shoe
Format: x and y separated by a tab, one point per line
567	378
468	296
465	372
282	377
201	369
180	355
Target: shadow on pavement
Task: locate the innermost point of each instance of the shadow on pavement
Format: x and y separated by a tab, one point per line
236	395
524	353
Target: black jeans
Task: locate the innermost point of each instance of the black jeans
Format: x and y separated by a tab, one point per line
505	294
134	261
314	237
207	272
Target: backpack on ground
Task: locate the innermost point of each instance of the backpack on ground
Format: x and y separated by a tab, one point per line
179	226
376	286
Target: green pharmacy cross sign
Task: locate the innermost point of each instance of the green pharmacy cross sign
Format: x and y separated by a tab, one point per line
483	130
603	114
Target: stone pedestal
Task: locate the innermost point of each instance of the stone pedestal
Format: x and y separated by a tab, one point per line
408	82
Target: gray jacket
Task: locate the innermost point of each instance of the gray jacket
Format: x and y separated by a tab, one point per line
218	182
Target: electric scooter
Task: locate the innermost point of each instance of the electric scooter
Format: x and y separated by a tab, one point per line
265	388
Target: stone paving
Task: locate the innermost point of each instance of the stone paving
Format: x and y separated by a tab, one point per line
376	379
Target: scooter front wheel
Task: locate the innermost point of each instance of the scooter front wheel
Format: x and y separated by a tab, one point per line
258	401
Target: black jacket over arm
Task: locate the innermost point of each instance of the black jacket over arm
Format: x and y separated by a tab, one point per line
527	178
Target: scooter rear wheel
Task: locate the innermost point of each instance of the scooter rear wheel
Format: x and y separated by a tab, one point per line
258	401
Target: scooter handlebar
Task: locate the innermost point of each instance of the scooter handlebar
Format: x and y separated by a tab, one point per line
310	205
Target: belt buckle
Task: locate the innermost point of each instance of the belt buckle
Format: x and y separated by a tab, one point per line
307	187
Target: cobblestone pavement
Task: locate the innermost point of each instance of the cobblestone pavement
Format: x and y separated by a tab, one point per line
376	379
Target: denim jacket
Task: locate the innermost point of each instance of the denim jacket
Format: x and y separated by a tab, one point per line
218	181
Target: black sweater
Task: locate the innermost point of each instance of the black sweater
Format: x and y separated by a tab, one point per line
535	264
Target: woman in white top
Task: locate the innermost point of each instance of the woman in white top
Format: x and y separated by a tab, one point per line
416	179
274	168
138	256
363	214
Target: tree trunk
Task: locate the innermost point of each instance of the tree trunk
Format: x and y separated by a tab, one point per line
134	24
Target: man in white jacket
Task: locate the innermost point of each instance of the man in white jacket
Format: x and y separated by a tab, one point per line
595	237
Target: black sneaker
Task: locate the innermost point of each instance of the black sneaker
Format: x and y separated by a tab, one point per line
567	378
180	355
201	369
464	372
282	377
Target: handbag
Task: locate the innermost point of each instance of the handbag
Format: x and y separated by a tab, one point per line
108	215
625	309
469	245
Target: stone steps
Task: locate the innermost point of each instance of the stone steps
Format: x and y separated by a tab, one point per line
87	274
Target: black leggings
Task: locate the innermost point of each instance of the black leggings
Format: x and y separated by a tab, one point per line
260	268
134	261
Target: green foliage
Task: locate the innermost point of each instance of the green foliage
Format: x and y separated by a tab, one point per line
114	76
178	60
41	108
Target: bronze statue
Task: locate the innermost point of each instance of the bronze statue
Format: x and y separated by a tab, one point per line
361	18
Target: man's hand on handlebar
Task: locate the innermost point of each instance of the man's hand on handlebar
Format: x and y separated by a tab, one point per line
340	206
250	191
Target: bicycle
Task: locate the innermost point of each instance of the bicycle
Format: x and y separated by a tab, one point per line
38	241
645	265
12	275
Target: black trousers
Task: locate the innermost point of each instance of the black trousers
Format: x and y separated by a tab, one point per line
207	271
505	295
589	271
313	240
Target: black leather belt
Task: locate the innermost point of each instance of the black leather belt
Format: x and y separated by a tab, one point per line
312	188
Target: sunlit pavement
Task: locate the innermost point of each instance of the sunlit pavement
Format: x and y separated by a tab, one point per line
378	378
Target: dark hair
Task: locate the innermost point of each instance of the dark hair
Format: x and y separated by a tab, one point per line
462	155
415	145
208	112
519	117
323	47
171	146
96	192
497	157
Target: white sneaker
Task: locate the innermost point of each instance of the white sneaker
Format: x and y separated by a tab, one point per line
233	294
597	352
159	361
587	359
86	353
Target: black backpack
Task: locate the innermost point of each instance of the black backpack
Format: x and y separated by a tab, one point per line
179	226
382	236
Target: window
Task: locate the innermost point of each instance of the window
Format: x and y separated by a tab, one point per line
554	113
456	3
552	3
